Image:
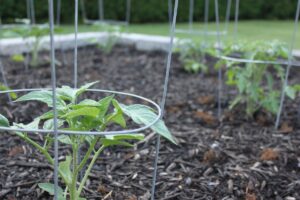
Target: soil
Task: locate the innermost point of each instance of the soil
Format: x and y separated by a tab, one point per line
235	158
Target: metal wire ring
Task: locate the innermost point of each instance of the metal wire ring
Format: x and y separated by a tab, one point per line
87	132
242	60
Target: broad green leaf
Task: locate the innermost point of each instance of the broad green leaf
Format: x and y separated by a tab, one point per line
4	121
108	142
135	136
49	114
49	124
43	96
85	111
67	93
13	95
49	187
82	89
65	139
85	103
104	105
141	114
290	92
32	125
64	167
117	116
18	58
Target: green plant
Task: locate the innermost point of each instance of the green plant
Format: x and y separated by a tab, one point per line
111	40
255	82
27	32
86	115
192	55
13	95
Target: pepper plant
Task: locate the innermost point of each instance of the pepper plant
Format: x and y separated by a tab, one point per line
26	32
85	115
192	55
255	82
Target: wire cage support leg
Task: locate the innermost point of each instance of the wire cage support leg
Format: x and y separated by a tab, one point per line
58	12
287	73
165	91
4	80
191	14
220	82
53	82
100	10
128	11
32	12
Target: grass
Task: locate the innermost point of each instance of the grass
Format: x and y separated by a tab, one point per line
247	30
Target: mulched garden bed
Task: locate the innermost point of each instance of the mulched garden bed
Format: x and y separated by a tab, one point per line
237	158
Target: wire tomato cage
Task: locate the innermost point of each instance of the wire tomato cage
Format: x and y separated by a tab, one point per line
101	14
287	64
192	30
56	131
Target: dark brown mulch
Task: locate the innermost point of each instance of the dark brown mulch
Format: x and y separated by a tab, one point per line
238	158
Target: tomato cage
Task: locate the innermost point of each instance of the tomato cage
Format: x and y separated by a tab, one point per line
30	18
194	31
284	62
101	14
56	131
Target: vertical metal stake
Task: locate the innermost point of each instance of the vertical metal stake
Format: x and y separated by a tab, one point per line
163	101
128	11
290	58
191	14
236	18
220	82
101	11
53	81
4	80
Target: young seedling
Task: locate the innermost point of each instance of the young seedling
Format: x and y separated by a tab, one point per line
85	115
26	32
113	34
192	55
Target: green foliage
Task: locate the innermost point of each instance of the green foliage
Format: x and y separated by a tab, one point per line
86	115
26	32
255	82
13	95
152	11
113	35
192	55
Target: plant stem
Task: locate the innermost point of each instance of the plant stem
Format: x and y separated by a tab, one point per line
88	153
73	189
87	172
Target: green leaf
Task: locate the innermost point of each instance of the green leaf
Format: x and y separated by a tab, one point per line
86	102
117	116
108	142
49	114
290	92
141	114
85	111
13	95
32	125
65	139
49	124
64	167
43	96
135	136
104	105
49	187
85	87
4	121
67	93
18	58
